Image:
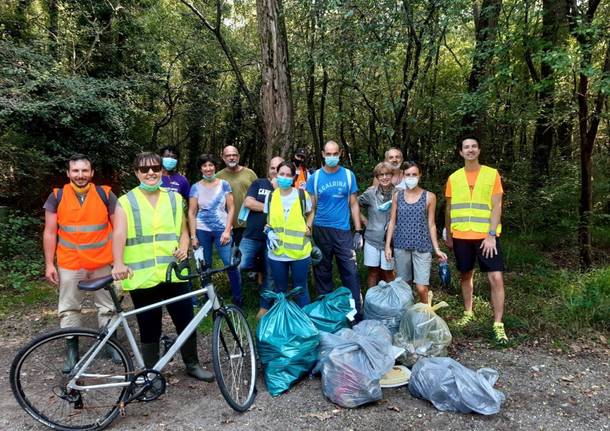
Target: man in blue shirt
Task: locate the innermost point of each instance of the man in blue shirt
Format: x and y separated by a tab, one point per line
333	191
171	178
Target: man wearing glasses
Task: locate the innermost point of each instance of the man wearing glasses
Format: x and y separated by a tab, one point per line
240	178
77	231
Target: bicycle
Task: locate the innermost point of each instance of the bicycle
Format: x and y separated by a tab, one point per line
91	395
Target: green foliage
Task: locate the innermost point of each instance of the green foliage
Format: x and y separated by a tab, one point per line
589	299
20	250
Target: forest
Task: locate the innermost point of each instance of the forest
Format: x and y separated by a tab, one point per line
111	78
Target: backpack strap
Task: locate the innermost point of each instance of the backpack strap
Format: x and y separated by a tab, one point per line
302	200
100	191
349	183
59	192
316	175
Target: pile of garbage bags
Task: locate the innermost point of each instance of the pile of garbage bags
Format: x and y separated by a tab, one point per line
386	302
451	387
352	362
333	311
422	333
287	342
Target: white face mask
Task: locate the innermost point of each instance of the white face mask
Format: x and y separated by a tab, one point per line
411	182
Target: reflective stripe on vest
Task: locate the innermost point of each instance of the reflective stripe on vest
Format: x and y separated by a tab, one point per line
89	246
292	242
148	253
471	211
83	228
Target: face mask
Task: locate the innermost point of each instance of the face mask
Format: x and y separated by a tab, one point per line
208	178
149	188
331	161
232	164
297	162
411	182
384	207
284	182
169	163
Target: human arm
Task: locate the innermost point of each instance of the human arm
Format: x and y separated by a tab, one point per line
120	271
49	242
449	238
225	237
355	210
431	207
489	243
390	229
192	214
253	205
364	201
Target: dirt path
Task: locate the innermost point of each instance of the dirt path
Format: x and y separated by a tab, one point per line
545	389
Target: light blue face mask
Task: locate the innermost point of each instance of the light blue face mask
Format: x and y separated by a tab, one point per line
207	178
149	188
331	161
169	163
384	207
284	182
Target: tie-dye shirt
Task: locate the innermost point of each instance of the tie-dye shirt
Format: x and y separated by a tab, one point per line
212	202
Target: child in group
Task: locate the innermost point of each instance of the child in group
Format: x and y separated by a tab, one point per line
412	229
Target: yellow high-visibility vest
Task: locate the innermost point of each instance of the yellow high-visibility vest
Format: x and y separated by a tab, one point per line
293	243
152	236
472	211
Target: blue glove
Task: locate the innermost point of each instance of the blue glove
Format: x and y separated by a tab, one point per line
273	241
358	241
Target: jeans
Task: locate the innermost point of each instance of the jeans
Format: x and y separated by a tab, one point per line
251	249
339	244
299	270
206	239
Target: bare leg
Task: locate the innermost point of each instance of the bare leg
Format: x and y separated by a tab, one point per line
387	276
373	276
466	283
422	292
496	281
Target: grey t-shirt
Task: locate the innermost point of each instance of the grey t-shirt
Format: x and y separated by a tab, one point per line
378	220
51	202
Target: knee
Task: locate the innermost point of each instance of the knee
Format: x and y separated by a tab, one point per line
467	276
496	280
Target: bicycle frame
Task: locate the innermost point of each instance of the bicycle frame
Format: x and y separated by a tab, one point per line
213	303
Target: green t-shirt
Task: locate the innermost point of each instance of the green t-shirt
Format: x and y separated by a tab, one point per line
239	181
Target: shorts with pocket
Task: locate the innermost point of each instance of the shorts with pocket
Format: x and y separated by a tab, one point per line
413	266
375	258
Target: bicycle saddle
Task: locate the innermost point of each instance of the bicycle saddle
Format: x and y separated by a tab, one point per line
95	283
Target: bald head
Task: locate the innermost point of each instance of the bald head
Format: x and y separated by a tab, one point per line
331	147
230	156
273	164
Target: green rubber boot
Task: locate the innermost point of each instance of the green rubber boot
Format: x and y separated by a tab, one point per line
71	354
189	356
150	354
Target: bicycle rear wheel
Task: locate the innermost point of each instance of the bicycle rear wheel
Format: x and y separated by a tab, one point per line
234	358
39	377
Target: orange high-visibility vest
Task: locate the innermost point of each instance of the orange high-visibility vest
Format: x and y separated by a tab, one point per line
84	231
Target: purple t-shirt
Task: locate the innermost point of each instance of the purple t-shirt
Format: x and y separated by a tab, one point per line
177	183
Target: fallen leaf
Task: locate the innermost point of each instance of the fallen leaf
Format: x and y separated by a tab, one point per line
569	378
396	409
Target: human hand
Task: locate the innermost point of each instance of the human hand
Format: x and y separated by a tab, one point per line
489	247
273	241
180	254
225	238
358	241
120	271
388	254
441	256
51	274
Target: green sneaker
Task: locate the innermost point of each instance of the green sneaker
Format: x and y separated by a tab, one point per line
467	317
499	333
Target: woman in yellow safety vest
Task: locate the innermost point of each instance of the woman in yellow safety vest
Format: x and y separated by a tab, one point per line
150	232
288	233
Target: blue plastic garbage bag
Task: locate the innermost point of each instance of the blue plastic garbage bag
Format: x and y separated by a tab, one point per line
386	302
352	362
333	311
287	342
452	387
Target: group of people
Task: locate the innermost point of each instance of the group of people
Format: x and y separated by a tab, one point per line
279	222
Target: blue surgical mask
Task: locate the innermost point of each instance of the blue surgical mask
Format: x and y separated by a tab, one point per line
411	182
284	182
149	188
384	207
169	163
208	178
331	161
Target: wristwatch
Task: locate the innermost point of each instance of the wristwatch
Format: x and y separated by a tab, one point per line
492	233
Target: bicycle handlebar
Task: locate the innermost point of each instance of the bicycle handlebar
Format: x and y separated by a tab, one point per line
178	267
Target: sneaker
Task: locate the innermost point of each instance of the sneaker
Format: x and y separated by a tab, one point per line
499	333
467	317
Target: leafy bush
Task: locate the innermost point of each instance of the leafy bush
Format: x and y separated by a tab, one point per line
20	250
589	299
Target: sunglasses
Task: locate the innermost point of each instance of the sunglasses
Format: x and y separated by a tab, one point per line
145	169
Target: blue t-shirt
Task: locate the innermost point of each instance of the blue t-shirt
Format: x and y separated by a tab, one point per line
332	199
212	205
258	190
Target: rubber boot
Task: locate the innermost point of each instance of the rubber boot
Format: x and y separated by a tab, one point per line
189	356
71	354
150	354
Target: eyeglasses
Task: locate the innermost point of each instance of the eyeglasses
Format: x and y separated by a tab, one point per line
384	175
145	169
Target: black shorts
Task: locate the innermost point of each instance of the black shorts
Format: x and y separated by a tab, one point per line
466	251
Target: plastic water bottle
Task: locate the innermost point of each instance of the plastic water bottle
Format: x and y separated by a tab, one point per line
444	274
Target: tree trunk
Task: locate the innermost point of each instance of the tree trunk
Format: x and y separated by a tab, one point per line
276	92
53	27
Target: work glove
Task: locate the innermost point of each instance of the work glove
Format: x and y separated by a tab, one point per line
358	241
273	241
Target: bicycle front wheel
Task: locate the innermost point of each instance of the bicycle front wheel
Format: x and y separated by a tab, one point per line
41	371
234	358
